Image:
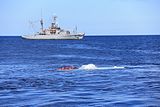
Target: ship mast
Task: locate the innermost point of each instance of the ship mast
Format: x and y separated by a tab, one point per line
76	29
55	19
41	21
54	25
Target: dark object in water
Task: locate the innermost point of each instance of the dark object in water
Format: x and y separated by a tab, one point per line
66	68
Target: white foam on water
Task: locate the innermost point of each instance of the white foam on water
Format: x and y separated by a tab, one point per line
112	67
94	67
88	67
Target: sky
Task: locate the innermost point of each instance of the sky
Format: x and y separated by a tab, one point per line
94	17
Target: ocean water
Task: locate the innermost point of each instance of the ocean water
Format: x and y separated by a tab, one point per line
126	72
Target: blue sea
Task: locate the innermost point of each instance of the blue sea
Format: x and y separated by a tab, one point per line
127	72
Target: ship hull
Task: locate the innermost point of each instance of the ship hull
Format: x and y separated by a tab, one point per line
53	37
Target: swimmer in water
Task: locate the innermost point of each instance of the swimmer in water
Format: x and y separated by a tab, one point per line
66	68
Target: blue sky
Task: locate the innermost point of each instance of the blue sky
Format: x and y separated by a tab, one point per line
110	17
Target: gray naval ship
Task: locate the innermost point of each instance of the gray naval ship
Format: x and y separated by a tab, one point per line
54	32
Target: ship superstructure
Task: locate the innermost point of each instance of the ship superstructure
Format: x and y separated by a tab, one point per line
54	32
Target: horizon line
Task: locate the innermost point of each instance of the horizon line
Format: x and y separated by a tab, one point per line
105	35
100	35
